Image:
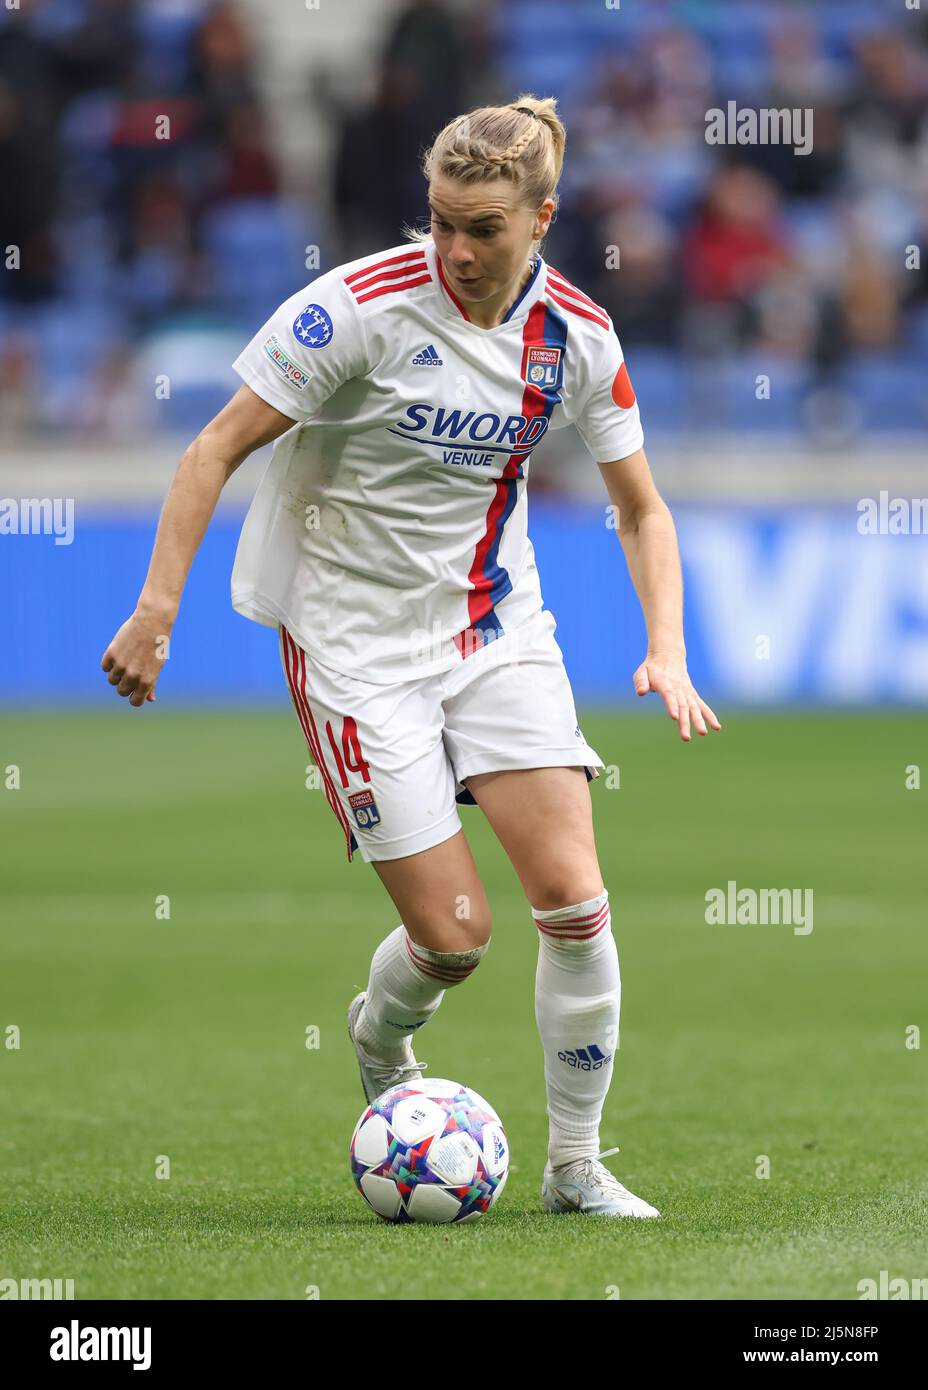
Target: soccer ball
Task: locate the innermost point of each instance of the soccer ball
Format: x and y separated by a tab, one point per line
430	1151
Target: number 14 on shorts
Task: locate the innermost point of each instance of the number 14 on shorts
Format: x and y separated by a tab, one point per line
349	758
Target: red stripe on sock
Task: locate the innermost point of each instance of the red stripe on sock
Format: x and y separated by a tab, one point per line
580	936
577	928
451	974
584	920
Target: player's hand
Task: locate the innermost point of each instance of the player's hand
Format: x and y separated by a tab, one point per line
666	675
135	658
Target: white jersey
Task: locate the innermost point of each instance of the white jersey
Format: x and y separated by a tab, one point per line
389	533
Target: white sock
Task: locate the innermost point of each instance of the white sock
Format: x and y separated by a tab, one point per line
577	996
407	983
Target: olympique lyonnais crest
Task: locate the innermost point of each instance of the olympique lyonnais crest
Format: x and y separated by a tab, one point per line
365	809
543	368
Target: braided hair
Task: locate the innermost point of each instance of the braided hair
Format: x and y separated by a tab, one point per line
522	143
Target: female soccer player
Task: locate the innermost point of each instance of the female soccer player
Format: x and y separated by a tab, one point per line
387	543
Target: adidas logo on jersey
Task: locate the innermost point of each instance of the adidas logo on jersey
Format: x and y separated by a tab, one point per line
587	1058
428	357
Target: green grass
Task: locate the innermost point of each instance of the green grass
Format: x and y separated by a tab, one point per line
185	1037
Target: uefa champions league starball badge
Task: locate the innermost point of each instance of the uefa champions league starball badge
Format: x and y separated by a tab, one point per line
312	327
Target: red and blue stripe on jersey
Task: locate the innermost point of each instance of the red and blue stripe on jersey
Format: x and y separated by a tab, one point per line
491	582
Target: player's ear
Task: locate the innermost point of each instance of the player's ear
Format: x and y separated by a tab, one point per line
540	231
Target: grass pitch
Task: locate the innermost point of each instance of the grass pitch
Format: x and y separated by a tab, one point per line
144	1036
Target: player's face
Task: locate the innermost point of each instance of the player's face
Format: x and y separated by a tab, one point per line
482	236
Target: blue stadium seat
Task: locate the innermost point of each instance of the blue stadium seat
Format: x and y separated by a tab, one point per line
196	357
890	392
55	17
781	413
257	249
917	332
73	336
658	381
166	41
191	407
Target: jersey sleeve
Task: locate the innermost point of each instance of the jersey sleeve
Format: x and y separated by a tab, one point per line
309	347
608	420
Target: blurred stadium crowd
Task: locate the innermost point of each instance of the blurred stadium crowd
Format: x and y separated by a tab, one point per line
734	260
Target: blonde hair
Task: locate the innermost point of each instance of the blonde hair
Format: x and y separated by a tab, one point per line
525	147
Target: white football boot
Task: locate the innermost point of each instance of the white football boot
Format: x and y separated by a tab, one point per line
587	1186
378	1076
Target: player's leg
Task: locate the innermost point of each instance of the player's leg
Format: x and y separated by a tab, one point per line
443	935
509	713
543	819
386	775
524	766
439	895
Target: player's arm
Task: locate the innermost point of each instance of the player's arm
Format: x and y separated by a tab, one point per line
135	657
649	539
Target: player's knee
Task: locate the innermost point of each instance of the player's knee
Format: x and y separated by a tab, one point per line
470	920
476	919
471	933
460	929
449	959
556	891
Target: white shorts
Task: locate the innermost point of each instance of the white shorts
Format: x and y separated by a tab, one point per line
393	758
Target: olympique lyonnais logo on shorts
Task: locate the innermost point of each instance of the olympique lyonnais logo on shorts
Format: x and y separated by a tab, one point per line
365	809
294	374
543	368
